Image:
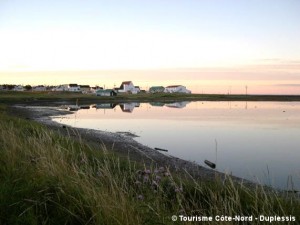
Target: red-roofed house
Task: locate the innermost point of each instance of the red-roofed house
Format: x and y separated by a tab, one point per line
127	86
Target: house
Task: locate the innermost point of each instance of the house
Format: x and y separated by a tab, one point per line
18	88
177	89
60	88
106	92
67	87
73	87
128	87
39	88
94	89
137	89
85	88
63	87
156	89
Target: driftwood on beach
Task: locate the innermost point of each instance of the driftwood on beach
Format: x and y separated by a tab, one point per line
161	149
210	164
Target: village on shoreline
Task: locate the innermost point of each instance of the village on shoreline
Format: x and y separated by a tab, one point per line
125	87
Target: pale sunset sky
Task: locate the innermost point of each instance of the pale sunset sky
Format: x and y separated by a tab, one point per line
210	46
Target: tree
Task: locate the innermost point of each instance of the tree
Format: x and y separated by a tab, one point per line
28	87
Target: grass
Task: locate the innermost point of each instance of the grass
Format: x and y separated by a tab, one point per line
47	178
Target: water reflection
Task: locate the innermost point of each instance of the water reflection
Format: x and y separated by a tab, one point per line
177	104
128	107
255	140
125	107
104	106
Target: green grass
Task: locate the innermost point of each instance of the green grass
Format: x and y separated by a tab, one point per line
48	178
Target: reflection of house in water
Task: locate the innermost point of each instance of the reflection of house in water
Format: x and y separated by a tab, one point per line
177	104
128	107
105	106
73	108
158	104
76	107
84	107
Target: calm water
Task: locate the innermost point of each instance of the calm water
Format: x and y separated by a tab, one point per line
259	141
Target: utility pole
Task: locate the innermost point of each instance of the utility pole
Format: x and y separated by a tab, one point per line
246	87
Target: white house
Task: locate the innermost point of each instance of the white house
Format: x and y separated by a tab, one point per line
127	86
18	88
67	87
177	89
73	87
137	89
63	87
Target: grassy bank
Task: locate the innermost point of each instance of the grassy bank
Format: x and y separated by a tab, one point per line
47	178
40	97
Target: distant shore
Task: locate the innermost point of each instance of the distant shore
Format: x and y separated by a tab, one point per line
36	98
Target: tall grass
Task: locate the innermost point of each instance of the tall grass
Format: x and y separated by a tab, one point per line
47	178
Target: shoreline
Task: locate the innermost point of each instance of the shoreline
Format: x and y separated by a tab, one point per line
39	98
123	145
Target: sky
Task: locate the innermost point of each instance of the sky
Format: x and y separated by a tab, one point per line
209	46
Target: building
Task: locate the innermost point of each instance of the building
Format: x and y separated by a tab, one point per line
177	89
128	87
106	92
156	89
94	89
18	88
137	89
67	87
63	87
85	88
39	88
74	88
